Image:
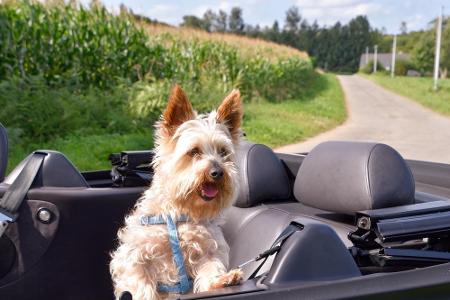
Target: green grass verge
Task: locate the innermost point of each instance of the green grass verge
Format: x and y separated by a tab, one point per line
319	108
290	121
419	89
87	152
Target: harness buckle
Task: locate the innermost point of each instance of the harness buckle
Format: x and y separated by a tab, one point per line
5	218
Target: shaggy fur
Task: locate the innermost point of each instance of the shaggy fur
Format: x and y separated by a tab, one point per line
188	147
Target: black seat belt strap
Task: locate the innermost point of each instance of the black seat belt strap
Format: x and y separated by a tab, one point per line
276	246
14	196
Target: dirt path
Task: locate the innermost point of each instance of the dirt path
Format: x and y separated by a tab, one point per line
376	114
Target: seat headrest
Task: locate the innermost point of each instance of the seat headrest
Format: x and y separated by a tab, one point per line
346	177
262	175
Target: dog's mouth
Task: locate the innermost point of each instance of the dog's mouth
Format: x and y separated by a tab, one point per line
209	191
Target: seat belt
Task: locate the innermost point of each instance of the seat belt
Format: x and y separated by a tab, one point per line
276	246
14	196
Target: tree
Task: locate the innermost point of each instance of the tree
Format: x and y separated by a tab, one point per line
423	53
193	22
359	35
221	21
403	28
339	48
235	20
293	19
253	31
276	27
209	18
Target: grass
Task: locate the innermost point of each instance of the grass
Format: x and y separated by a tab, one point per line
418	89
320	108
86	152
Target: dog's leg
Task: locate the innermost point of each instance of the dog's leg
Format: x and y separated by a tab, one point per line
212	274
233	277
129	273
207	272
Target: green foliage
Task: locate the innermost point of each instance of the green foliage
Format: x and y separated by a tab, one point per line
423	53
235	20
337	48
405	42
319	107
446	46
87	152
36	112
73	75
193	22
88	46
368	69
402	67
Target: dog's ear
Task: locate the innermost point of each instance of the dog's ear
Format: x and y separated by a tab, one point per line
230	113
178	111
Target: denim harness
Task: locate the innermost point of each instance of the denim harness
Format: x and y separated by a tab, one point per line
185	284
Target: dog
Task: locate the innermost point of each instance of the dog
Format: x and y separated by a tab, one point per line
195	179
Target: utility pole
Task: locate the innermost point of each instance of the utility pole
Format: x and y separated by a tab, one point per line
367	56
438	50
375	58
394	52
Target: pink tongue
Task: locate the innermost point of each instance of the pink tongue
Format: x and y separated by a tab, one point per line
209	190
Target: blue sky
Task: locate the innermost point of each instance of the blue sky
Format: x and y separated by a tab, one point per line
381	13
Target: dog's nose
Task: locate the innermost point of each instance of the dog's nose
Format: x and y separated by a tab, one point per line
216	172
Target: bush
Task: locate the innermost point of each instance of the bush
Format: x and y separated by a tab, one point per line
36	112
402	66
368	69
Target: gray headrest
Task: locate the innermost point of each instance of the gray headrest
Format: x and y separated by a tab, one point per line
262	175
350	176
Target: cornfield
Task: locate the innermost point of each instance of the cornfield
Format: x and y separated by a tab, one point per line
78	54
90	46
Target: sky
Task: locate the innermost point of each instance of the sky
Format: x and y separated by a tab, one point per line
386	14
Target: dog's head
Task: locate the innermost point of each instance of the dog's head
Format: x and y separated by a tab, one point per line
195	155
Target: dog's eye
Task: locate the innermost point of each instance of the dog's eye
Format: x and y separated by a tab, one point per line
223	152
194	152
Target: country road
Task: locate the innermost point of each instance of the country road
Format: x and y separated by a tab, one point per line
376	114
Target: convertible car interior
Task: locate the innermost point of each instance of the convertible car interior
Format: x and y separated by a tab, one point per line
363	221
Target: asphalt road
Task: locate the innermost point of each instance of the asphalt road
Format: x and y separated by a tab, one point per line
376	114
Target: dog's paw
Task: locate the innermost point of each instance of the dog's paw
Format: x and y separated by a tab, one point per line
233	277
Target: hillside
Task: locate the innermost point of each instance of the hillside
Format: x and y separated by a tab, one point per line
248	47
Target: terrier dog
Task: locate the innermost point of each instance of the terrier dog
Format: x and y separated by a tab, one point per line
195	178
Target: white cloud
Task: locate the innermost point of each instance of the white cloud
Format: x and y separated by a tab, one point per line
415	22
165	12
327	3
328	12
223	5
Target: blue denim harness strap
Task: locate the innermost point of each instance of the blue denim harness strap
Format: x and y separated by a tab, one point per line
185	284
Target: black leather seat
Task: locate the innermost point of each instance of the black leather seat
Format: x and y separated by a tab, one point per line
3	152
335	180
252	227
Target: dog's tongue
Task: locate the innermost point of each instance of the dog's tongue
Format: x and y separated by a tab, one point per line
210	190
